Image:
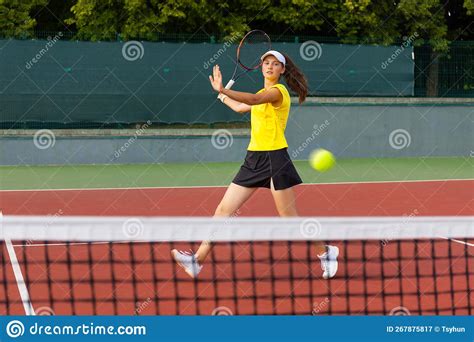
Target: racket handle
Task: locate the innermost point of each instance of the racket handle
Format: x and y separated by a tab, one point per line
229	84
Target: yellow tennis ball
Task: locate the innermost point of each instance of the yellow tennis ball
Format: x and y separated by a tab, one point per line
321	160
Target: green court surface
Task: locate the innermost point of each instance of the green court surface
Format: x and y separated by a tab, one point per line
221	174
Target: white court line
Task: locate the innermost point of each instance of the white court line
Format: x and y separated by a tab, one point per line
225	186
25	296
458	241
20	281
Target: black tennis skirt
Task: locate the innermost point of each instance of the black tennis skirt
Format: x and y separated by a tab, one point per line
262	166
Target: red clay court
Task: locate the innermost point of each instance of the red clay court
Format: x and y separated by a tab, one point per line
375	277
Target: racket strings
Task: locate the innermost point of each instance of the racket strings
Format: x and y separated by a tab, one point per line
252	47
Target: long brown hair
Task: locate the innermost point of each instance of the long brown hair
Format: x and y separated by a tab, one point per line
295	79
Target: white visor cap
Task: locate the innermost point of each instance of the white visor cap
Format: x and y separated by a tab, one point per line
275	54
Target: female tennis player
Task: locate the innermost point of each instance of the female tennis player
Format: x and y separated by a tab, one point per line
267	163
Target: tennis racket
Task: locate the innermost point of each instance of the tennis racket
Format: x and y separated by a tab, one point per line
254	44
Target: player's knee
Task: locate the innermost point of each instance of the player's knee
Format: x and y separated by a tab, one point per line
287	212
223	210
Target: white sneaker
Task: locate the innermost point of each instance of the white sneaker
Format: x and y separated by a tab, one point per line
329	262
187	260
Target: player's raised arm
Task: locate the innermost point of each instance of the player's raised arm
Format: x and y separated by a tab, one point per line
216	82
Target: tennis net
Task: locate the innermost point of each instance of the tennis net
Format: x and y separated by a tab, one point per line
122	265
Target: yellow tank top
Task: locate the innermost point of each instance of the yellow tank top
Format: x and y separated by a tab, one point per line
268	123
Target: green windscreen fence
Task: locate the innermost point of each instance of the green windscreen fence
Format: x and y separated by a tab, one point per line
453	71
55	83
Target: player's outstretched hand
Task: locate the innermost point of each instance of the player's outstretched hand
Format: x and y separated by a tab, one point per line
216	79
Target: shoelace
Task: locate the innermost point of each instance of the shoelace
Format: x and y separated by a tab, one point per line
188	253
191	254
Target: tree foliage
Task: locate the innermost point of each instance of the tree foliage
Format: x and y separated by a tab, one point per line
469	6
15	17
356	21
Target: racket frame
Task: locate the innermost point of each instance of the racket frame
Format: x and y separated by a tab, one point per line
246	69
